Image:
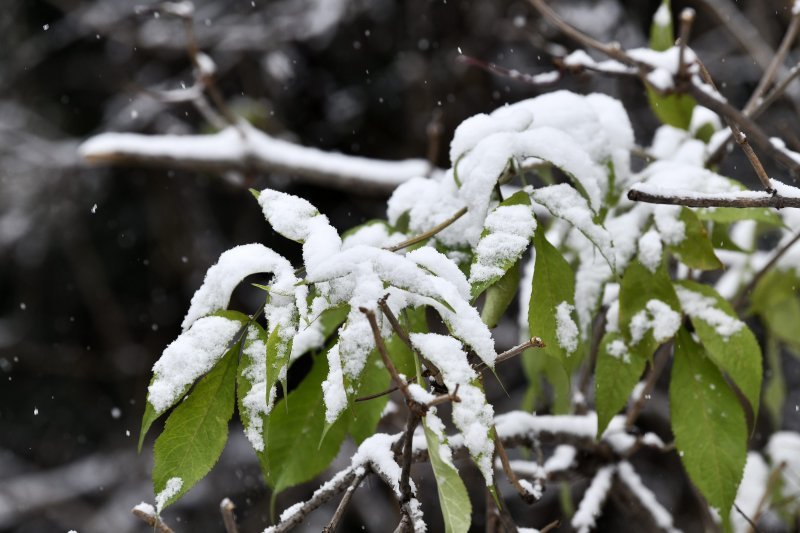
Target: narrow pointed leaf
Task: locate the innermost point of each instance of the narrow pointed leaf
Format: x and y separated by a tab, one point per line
196	432
617	373
453	497
500	295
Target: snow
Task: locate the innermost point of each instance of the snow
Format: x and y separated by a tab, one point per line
258	401
232	267
188	357
591	505
473	415
796	7
751	489
507	234
439	265
662	17
172	488
206	64
672	230
232	147
563	458
698	306
145	508
787	191
647	499
667	60
618	349
419	394
784	448
660	79
563	201
566	328
650	250
702	116
376	451
659	317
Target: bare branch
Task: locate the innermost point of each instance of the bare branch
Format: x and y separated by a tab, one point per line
738	304
526	495
337	516
687	19
712	200
387	361
226	507
533	342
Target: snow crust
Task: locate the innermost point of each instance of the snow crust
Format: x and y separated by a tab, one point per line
566	328
661	516
705	308
172	488
591	506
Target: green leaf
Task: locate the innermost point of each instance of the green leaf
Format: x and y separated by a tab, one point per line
278	352
364	416
638	287
294	452
500	295
196	431
615	377
453	497
728	215
738	355
674	109
696	250
775	389
510	257
775	300
553	283
148	418
708	424
538	367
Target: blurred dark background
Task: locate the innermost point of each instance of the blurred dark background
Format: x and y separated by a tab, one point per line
98	264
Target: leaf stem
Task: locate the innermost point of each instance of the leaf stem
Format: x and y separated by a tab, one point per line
430	233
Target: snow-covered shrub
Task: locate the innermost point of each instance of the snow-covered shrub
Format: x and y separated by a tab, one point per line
604	283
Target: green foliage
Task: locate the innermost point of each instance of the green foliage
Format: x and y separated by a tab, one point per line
553	283
500	295
639	286
673	109
364	416
196	431
696	250
296	451
738	355
775	301
453	497
615	377
708	423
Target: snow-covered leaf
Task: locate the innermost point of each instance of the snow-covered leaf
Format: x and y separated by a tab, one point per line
500	295
506	235
728	341
649	310
255	385
196	432
708	424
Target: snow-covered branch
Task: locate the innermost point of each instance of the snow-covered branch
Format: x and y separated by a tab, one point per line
784	196
245	148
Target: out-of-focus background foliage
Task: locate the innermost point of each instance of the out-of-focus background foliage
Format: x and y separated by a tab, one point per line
97	265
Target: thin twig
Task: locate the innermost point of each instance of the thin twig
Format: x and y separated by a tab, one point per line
533	342
659	363
403	334
551	526
408	449
738	304
774	476
387	361
152	521
738	135
444	398
776	63
777	201
526	496
390	390
348	494
430	233
226	507
747	519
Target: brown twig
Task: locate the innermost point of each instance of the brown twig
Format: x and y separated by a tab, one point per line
777	201
343	503
533	342
659	363
747	519
777	61
152	521
430	368
774	476
430	233
445	398
387	361
551	526
226	507
526	496
738	304
408	437
539	80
